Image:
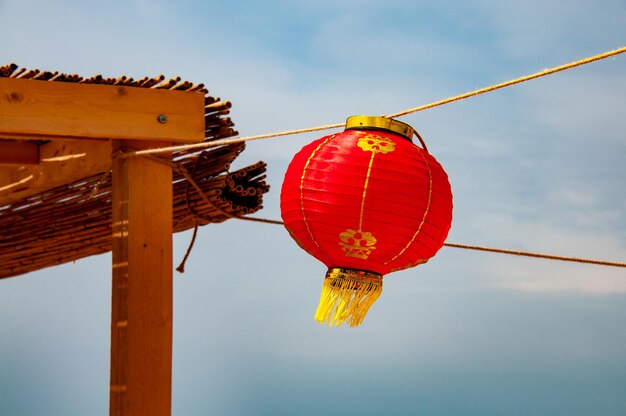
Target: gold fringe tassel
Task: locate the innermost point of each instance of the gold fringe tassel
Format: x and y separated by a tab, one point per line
347	295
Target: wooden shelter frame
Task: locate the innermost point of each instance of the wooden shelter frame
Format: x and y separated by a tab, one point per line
41	121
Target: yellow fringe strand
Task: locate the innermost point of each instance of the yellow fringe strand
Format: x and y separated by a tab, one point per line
347	295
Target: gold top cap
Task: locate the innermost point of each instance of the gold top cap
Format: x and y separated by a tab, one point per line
379	123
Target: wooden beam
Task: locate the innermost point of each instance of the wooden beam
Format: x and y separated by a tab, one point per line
14	152
34	109
60	163
141	325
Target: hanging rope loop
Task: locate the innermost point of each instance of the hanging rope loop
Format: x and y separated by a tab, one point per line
422	142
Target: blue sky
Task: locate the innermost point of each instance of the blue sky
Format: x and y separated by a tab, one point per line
537	167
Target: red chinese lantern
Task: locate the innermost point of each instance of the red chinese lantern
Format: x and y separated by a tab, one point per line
365	202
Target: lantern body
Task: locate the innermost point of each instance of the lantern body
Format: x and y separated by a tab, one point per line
367	200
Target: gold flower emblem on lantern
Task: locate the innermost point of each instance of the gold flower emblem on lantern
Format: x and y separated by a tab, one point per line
376	144
356	243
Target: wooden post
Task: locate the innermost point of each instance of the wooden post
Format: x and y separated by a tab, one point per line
141	321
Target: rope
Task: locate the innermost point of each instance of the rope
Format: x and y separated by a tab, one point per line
393	115
511	82
181	267
513	252
188	177
223	142
183	171
537	255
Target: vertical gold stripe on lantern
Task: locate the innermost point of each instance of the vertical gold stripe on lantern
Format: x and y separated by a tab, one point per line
367	180
375	144
306	166
430	193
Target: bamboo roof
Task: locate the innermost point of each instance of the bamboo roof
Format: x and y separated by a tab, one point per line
73	220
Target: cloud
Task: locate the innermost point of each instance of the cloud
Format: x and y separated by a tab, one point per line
524	30
582	103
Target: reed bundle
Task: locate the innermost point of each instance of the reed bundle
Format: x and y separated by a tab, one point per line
73	221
